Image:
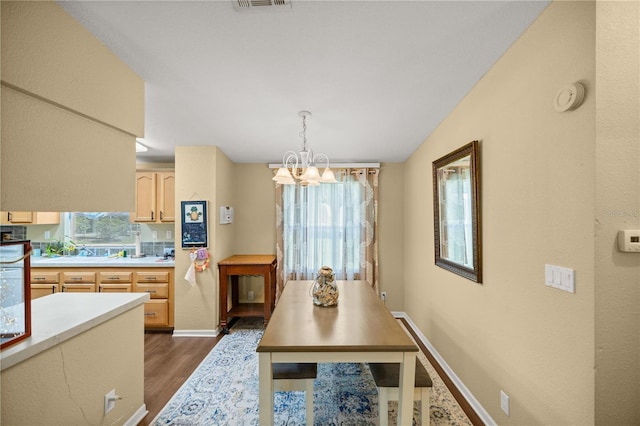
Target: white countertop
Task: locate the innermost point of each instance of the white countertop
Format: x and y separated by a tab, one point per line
61	316
101	262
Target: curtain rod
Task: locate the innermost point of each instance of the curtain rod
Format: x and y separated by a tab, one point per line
337	165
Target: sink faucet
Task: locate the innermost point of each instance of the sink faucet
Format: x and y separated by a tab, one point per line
84	251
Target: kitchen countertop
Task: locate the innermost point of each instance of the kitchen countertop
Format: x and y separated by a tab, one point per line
101	262
61	316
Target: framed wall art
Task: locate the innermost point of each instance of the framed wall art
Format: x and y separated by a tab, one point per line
194	223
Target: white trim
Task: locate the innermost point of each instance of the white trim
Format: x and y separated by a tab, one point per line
466	393
195	333
137	417
336	165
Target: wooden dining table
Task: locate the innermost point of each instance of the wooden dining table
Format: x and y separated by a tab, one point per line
359	328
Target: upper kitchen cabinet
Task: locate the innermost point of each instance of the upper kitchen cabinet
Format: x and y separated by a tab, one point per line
67	102
155	197
29	218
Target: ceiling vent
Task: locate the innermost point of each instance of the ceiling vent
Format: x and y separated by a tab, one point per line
262	4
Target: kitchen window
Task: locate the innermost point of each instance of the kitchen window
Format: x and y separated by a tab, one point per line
98	228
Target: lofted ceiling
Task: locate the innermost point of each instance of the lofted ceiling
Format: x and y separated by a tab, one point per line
377	76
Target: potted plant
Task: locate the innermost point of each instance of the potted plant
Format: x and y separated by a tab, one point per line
56	247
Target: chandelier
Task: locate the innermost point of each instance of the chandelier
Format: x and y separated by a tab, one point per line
303	165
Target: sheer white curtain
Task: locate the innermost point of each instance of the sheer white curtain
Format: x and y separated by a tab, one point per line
328	225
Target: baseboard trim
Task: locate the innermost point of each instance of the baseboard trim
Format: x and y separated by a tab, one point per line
482	414
137	417
195	333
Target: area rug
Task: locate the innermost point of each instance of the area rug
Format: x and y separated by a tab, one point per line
223	390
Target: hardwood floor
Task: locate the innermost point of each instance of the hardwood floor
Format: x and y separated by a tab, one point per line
168	362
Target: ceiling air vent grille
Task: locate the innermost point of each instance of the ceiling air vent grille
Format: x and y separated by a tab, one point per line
261	4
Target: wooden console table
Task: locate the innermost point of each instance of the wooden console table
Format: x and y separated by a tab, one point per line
246	264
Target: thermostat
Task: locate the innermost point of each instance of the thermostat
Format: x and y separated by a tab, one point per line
226	215
629	240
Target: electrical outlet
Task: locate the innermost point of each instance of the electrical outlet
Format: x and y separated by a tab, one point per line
504	402
154	235
47	235
168	235
250	295
110	401
383	296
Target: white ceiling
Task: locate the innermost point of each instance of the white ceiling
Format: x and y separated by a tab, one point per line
378	76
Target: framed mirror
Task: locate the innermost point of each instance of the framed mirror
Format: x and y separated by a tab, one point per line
456	211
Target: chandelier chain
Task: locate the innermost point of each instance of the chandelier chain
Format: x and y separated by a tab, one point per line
303	134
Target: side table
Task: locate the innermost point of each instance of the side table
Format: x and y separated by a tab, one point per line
246	264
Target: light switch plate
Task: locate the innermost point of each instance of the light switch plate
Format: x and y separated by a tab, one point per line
560	278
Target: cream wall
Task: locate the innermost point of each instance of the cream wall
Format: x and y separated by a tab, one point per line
196	308
66	384
617	154
70	113
513	333
255	220
390	234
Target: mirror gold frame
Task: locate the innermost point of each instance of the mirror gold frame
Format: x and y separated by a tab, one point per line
456	212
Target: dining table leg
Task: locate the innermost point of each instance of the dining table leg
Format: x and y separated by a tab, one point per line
265	388
405	388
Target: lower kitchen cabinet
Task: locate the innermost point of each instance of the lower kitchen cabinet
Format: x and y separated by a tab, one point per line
158	312
78	281
115	282
157	282
44	282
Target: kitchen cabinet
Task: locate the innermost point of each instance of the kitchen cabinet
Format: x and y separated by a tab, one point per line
29	218
115	282
155	197
78	281
44	283
158	311
156	281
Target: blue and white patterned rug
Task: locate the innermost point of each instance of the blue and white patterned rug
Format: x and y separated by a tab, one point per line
223	390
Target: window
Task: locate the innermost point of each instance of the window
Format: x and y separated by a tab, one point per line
333	225
98	228
322	227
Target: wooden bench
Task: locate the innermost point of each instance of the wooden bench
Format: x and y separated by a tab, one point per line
289	377
387	378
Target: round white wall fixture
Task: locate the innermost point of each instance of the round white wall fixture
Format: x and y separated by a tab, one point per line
569	97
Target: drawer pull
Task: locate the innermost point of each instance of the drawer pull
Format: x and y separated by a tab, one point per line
149	314
150	291
113	278
76	278
39	278
150	278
